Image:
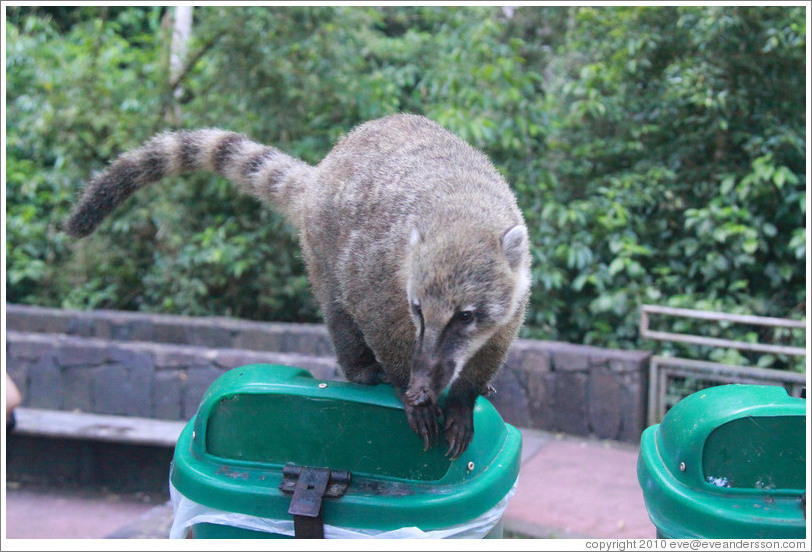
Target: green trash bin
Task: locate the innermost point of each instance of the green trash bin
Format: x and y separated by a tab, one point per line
727	462
273	452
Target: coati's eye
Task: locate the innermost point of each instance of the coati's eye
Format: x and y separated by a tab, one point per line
466	316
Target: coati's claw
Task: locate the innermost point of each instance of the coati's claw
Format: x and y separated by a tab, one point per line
459	430
423	421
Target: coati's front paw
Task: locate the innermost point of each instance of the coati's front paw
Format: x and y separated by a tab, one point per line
419	396
459	429
423	421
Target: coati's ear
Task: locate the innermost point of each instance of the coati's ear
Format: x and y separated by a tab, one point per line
416	237
514	244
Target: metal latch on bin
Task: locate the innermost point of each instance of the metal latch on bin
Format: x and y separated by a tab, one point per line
309	486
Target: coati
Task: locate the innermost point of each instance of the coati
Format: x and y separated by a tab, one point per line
414	245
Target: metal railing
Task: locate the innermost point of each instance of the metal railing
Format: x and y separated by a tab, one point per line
671	378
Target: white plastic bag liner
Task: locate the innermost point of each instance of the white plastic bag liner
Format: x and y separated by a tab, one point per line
189	513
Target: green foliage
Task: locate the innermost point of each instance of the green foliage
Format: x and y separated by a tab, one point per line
72	101
677	170
658	153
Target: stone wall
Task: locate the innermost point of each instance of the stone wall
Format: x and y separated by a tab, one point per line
113	362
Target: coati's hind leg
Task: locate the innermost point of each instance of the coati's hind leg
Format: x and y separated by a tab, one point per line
356	359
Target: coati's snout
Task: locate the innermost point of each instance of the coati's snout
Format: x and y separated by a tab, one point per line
432	370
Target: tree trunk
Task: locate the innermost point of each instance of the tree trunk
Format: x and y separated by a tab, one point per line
181	32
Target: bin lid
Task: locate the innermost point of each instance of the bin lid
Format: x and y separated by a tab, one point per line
727	462
254	420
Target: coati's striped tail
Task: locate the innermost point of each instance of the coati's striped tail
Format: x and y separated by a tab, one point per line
261	171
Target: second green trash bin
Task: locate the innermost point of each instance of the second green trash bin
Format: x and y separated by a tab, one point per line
272	452
728	462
